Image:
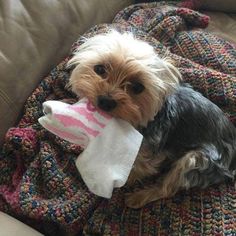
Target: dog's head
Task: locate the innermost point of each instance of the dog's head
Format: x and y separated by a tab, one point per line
122	76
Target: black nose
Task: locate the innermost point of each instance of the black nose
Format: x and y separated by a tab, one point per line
106	103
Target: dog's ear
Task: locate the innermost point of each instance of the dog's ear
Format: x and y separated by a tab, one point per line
93	48
77	57
164	77
170	72
87	50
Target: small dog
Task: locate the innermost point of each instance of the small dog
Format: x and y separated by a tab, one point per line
188	141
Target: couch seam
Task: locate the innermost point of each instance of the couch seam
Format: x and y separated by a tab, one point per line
7	100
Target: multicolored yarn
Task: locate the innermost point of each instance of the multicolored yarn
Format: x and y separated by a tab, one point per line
39	183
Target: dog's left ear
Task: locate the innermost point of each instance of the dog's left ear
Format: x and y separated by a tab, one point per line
170	71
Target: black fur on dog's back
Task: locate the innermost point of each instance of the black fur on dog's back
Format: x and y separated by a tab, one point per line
189	121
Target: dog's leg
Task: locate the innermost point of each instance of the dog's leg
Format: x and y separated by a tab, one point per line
171	183
145	165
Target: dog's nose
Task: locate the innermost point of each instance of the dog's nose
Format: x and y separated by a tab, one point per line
106	103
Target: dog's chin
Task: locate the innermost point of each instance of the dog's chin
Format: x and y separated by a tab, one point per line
131	114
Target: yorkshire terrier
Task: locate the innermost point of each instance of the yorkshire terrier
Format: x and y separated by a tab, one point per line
188	141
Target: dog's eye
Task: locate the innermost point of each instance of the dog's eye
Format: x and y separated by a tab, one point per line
100	69
137	87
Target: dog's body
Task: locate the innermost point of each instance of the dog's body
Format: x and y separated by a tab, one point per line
198	143
187	139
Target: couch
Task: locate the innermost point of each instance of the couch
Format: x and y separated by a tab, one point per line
37	35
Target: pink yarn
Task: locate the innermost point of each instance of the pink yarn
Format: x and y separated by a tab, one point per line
12	193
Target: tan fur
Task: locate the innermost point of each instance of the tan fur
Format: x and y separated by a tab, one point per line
132	108
126	59
124	64
170	184
145	165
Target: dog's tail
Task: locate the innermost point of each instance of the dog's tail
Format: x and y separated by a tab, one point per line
222	164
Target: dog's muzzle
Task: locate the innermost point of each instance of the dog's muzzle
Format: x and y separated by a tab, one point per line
106	103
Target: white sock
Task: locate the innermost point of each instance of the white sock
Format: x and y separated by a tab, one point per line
110	145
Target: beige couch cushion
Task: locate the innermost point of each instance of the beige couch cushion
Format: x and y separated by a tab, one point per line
12	227
34	36
219	5
223	25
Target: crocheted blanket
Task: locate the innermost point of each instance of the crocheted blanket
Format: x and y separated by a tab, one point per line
39	183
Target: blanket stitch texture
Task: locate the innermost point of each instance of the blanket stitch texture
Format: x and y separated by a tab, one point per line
39	183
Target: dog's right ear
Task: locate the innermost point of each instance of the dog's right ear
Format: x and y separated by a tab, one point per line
74	60
93	49
76	55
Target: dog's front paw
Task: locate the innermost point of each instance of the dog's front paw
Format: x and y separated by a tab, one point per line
135	200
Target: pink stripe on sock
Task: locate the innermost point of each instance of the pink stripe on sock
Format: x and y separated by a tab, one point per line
70	121
89	116
63	134
90	107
